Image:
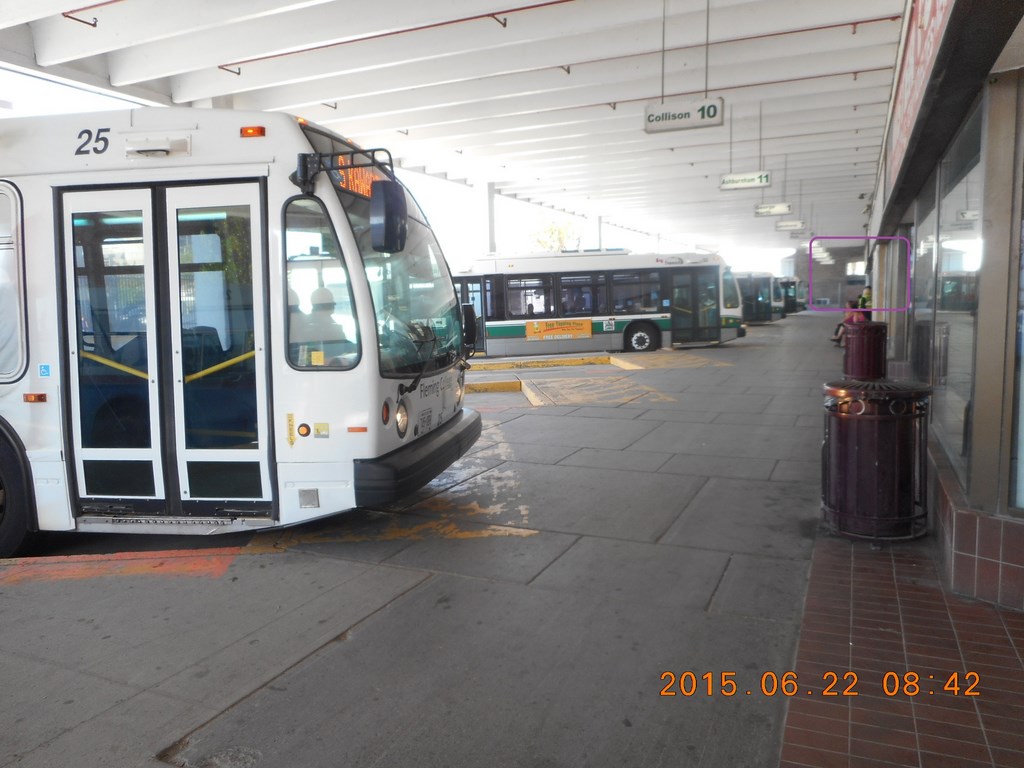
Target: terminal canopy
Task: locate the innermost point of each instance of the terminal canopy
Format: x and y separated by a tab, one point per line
649	114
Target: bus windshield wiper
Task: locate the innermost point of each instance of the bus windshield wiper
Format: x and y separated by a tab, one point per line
420	334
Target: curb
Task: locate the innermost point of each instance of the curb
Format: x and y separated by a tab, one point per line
528	389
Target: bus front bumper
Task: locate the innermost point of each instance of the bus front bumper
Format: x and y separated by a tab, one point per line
399	473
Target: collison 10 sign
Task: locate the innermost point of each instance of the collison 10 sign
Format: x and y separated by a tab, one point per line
676	115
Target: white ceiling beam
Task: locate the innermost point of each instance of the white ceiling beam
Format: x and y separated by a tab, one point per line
16	54
448	63
629	133
16	12
741	159
691	187
684	72
562	122
102	28
328	24
852	186
476	100
826	202
602	118
597	180
776	147
628	26
549	107
426	48
613	96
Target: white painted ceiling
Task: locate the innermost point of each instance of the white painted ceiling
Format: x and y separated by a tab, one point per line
544	99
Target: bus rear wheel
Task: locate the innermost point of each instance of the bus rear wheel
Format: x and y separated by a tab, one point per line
13	503
641	338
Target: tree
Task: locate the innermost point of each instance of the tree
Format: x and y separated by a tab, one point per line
557	236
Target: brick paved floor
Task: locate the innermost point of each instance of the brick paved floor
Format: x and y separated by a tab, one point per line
882	614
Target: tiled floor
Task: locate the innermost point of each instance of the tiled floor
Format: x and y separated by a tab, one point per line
880	612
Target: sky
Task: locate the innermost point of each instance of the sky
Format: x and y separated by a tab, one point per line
457	212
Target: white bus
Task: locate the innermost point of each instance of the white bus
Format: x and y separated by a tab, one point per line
215	321
585	301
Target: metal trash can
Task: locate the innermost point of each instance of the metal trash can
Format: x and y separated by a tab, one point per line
874	462
864	356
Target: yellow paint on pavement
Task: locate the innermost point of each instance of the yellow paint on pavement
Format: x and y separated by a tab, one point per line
543	362
494	386
207	563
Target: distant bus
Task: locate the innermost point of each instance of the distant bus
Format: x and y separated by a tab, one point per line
585	301
794	294
958	291
215	321
763	301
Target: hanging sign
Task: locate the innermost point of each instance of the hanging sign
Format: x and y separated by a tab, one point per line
747	180
789	226
773	209
676	115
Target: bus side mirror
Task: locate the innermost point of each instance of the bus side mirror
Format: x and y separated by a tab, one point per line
469	327
388	217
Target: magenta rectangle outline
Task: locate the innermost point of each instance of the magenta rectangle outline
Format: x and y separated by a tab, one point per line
810	274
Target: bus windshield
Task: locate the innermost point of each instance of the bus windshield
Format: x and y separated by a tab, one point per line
418	323
418	327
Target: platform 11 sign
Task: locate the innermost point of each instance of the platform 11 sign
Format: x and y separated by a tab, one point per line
675	115
748	180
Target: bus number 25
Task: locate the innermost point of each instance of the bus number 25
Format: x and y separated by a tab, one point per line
93	143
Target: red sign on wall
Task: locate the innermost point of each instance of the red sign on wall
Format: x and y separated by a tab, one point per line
928	21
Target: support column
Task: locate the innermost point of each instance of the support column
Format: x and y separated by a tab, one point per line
492	238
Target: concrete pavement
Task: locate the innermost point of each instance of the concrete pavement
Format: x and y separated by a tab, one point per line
526	609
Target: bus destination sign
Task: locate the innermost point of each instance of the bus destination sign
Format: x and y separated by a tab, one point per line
676	115
790	226
773	209
748	180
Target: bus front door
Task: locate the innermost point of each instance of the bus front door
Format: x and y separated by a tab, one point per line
167	381
695	306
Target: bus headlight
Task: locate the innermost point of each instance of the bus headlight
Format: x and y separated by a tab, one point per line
402	419
460	389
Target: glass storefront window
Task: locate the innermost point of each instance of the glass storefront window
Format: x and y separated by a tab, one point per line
921	316
957	266
1017	450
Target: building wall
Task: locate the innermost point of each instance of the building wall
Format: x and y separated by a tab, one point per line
956	195
830	285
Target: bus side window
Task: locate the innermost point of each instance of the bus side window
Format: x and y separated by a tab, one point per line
582	294
529	296
12	294
321	322
494	298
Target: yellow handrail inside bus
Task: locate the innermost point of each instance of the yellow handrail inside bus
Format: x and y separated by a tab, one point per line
143	375
219	367
113	364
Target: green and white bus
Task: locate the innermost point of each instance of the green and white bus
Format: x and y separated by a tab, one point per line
763	297
215	321
586	301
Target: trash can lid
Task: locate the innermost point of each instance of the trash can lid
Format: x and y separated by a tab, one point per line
866	388
867	326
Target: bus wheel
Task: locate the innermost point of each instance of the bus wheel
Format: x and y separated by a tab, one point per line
13	503
641	338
